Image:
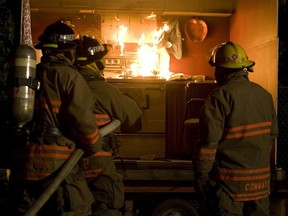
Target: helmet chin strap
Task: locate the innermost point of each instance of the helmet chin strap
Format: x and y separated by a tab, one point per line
93	66
248	69
70	54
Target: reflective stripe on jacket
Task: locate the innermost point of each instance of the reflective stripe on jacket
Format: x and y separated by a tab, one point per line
102	119
91	165
253	184
36	162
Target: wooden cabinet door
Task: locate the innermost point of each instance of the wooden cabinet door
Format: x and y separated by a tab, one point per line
180	139
175	107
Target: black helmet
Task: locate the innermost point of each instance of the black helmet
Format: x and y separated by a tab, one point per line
58	36
90	50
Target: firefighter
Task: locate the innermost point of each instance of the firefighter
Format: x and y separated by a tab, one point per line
238	125
63	121
103	180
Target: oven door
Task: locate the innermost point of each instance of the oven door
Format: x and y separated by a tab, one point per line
150	141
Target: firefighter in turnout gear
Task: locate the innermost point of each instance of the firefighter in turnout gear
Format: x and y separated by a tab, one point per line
63	121
237	125
103	180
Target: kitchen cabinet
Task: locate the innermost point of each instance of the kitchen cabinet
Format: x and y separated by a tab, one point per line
161	7
111	4
56	5
163	105
80	4
175	108
153	5
100	6
150	96
180	139
199	6
44	3
136	5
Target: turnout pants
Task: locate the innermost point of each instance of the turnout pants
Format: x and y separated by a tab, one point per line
107	188
72	198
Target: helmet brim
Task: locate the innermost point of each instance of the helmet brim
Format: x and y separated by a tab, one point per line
64	46
246	64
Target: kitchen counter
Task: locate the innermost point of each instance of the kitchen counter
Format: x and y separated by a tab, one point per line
153	80
163	104
135	80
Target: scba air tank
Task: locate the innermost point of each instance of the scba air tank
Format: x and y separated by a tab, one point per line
24	85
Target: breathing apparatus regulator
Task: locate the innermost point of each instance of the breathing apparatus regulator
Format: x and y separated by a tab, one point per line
24	85
230	55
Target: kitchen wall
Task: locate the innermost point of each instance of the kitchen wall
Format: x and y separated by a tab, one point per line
194	57
195	54
254	25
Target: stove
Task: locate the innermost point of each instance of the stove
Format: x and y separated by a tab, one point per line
121	66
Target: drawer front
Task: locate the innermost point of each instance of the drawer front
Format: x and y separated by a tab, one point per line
151	99
142	146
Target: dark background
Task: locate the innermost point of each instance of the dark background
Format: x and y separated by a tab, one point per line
282	156
10	22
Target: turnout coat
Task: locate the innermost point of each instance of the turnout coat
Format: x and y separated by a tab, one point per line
237	124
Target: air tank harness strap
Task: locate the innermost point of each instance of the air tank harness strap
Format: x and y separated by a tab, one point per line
30	82
48	133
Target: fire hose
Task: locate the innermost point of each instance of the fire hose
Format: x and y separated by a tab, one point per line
65	170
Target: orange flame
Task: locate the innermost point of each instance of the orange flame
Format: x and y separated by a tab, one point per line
152	60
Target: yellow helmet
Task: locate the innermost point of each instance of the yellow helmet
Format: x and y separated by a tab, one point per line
230	55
